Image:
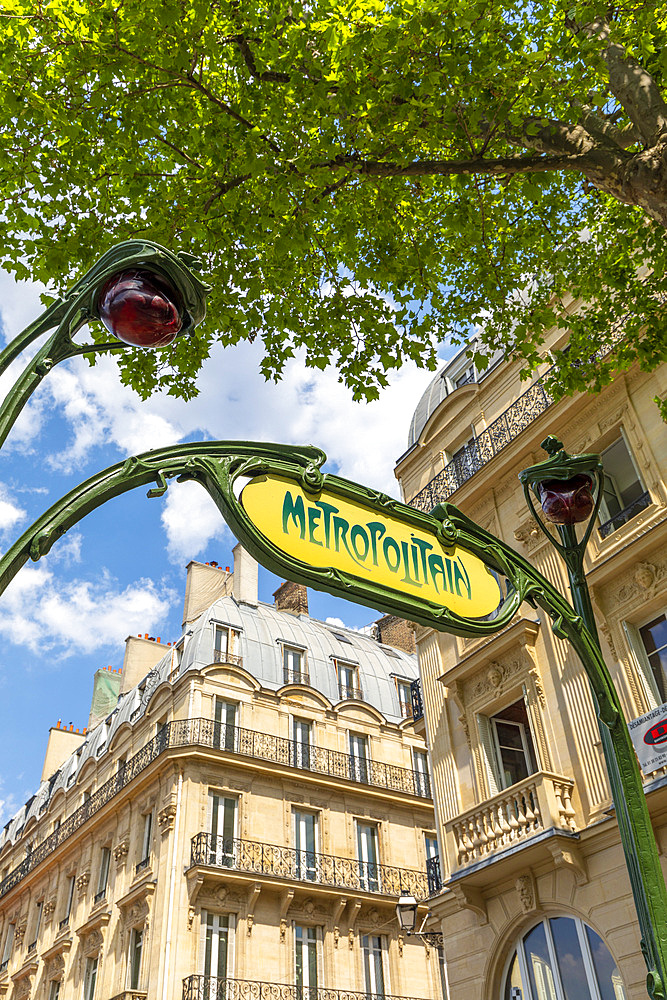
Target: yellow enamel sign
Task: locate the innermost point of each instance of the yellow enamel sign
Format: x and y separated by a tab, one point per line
325	531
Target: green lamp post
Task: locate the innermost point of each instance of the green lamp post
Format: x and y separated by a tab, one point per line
569	490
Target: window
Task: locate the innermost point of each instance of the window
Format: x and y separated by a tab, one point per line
217	933
9	943
507	746
68	899
302	737
222	830
38	921
103	878
90	978
358	757
404	698
562	958
294	666
146	841
54	989
305	959
348	681
367	853
224	729
649	643
342	637
430	846
373	947
225	641
465	460
305	843
422	778
624	494
464	377
134	960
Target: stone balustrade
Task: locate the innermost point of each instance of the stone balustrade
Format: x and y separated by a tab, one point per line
542	801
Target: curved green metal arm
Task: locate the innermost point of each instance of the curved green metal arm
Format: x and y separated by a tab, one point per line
70	313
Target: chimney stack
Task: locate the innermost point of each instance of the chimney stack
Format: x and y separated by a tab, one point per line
292	597
393	631
106	688
245	585
205	584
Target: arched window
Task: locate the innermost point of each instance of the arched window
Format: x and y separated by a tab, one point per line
562	958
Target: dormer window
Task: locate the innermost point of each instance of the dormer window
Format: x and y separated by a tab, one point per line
465	377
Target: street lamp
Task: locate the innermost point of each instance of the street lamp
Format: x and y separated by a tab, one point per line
569	491
145	296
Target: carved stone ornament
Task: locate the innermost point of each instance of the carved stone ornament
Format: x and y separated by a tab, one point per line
528	534
19	933
539	686
136	914
55	967
166	817
400	945
92	943
120	852
489	681
82	881
283	929
526	891
645	575
22	987
49	907
336	935
644	578
191	917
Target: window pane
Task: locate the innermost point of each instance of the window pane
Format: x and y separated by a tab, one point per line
606	971
514	981
570	962
540	972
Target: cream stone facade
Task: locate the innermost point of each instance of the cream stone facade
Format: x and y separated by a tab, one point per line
240	823
534	898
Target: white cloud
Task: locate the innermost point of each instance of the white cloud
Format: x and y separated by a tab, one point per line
49	615
191	521
11	515
339	623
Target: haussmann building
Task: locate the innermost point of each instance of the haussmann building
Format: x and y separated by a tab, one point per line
534	899
237	822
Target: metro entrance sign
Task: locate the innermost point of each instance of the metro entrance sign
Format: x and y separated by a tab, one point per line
326	531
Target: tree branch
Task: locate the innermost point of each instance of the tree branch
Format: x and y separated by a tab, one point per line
268	76
499	167
631	84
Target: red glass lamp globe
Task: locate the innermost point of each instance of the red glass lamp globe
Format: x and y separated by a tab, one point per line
567	501
141	308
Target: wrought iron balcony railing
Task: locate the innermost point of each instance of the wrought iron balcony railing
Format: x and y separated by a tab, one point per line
433	874
295	676
213	988
416	698
347	691
625	515
530	405
306	866
220	656
243	742
131	995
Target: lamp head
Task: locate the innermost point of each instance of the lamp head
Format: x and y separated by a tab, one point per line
406	912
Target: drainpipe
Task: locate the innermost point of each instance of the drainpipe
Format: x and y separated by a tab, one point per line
172	887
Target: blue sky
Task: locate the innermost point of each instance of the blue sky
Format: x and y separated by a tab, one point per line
122	570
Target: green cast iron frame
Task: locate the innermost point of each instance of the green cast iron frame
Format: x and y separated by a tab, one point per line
222	467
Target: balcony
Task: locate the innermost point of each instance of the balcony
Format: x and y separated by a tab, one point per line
295	676
416	698
623	516
220	656
252	858
541	802
347	692
212	988
243	742
433	875
144	863
132	995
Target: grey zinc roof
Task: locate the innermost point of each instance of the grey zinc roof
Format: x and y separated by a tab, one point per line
427	405
262	630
